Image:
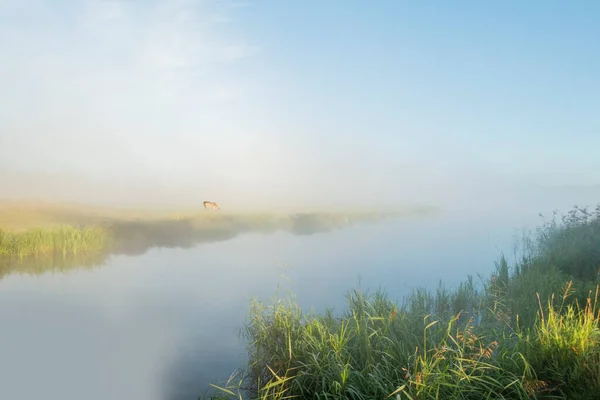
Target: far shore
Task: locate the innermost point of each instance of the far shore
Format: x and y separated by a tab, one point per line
21	215
53	235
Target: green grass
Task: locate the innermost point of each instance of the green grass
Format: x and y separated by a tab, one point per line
531	330
38	236
37	251
64	240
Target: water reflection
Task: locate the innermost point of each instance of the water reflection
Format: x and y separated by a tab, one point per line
137	237
164	325
52	263
309	224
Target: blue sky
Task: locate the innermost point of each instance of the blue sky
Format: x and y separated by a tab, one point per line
302	101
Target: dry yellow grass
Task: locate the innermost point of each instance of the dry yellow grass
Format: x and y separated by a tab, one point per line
29	226
19	216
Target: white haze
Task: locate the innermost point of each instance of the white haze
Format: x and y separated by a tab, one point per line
173	103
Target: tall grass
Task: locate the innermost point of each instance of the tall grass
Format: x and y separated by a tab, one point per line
532	330
64	240
31	230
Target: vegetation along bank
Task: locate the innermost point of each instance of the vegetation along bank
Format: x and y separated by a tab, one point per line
35	237
529	331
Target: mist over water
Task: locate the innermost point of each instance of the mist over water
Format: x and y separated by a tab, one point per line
163	325
487	113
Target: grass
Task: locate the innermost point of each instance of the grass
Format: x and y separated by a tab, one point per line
19	216
35	234
64	240
529	331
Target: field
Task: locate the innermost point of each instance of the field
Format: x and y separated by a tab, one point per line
529	331
36	235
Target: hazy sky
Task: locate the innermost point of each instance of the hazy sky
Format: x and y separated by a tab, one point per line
296	101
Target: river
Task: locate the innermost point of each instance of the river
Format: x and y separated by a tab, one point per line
162	325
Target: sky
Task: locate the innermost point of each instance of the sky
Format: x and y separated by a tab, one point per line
296	102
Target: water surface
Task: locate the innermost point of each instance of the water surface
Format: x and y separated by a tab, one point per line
162	325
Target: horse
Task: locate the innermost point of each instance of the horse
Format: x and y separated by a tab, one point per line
211	205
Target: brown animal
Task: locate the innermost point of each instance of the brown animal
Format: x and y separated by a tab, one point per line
211	205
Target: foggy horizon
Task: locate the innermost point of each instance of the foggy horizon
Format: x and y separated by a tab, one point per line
389	175
248	103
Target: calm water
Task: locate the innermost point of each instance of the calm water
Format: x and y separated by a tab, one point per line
162	325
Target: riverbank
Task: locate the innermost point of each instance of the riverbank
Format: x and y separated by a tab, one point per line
35	235
530	330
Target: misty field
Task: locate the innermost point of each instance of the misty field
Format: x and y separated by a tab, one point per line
530	330
33	235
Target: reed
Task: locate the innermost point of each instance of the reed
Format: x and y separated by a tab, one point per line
531	330
29	230
63	240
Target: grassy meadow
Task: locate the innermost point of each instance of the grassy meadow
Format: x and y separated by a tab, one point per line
528	331
37	234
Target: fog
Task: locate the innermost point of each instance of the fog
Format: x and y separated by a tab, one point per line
487	109
251	103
